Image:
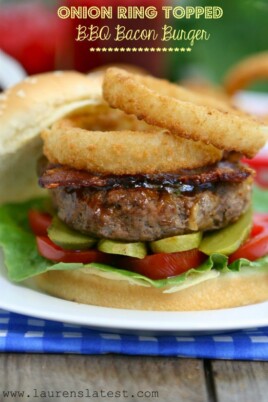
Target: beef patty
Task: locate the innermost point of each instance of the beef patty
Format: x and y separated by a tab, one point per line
149	207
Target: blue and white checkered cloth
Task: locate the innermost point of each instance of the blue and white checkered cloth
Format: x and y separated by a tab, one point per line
22	334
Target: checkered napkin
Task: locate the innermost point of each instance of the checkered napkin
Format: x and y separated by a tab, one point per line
19	333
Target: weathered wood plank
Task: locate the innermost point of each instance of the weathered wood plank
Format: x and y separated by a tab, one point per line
237	381
157	379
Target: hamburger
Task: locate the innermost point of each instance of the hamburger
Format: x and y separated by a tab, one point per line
145	214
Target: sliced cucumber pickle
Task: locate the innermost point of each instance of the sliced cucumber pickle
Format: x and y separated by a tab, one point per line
137	249
226	241
177	243
69	239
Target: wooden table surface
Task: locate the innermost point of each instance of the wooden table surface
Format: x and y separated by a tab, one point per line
126	378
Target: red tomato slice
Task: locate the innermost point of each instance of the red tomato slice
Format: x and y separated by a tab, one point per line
161	266
257	245
55	253
39	222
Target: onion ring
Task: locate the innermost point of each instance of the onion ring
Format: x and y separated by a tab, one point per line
248	70
103	118
123	152
160	103
124	66
205	88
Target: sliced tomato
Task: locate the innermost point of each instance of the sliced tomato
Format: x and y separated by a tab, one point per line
160	266
39	222
52	252
257	245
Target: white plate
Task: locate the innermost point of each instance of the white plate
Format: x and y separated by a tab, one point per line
11	71
25	299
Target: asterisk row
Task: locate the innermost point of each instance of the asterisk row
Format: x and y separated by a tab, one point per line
140	49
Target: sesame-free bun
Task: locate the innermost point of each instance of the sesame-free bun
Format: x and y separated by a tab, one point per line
225	291
28	108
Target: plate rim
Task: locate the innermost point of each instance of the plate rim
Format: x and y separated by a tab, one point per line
123	320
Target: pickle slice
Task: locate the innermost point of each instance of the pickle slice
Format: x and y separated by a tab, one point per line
226	241
137	249
177	243
68	239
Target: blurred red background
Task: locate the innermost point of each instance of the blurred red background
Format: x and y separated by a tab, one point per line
33	34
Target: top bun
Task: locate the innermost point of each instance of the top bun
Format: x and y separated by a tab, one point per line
28	108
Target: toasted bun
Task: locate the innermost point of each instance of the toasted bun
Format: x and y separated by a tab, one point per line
25	110
225	291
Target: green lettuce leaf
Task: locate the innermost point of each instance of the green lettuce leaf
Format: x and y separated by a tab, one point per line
23	261
18	242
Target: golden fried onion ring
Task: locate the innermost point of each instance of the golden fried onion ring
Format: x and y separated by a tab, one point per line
205	88
245	72
168	106
103	118
123	152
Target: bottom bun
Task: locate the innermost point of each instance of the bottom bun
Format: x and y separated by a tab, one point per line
225	291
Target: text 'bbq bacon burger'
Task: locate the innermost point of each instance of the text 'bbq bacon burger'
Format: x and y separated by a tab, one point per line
151	207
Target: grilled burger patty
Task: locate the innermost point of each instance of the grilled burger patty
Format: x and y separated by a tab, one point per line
149	207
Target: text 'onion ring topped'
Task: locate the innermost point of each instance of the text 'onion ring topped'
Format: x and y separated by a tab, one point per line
145	149
161	104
